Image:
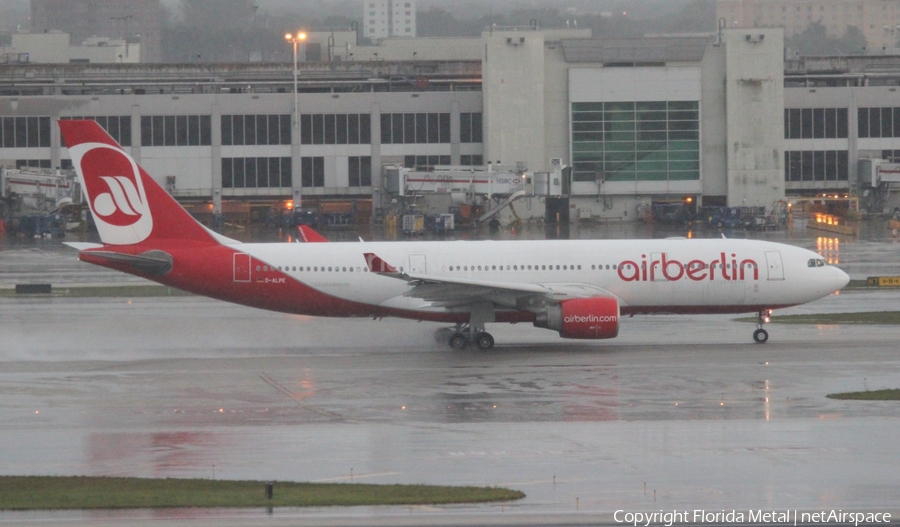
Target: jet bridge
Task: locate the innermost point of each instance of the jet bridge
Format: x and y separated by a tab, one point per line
455	180
485	191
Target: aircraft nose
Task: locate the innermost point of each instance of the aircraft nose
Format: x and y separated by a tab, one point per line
840	279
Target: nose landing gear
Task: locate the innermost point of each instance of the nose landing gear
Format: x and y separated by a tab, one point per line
761	335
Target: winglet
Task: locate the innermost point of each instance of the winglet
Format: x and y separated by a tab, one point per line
308	235
377	265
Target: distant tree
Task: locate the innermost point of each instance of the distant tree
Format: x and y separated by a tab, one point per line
815	41
217	13
853	41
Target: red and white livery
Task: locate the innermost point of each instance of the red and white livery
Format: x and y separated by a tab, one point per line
579	288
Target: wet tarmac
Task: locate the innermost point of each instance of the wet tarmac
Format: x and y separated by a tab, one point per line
676	413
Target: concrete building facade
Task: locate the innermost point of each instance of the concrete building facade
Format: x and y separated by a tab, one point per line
715	121
54	47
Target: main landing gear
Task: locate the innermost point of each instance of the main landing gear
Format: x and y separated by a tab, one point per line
761	335
463	336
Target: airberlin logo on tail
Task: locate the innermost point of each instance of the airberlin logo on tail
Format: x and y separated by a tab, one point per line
115	192
121	204
661	268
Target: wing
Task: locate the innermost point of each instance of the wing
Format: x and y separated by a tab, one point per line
452	292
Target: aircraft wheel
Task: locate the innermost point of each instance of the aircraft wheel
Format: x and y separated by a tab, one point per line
761	336
458	341
484	341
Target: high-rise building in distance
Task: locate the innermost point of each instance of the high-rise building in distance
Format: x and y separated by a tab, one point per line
878	20
389	18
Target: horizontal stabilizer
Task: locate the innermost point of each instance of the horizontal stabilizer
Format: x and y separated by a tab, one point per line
81	246
153	262
377	265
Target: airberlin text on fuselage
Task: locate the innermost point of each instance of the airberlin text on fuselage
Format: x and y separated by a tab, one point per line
665	269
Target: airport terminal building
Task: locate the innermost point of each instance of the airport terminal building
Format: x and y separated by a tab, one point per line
719	120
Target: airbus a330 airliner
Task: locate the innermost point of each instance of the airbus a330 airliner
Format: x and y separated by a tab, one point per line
579	288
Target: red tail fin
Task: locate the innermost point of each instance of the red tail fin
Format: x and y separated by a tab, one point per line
309	235
128	206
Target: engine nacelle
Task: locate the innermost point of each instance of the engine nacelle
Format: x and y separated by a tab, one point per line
582	318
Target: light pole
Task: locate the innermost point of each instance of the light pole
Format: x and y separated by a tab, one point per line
295	39
295	131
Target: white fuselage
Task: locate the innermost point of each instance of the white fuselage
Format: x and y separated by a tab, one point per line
659	275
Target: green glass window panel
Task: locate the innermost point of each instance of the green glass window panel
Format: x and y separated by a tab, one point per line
656	157
651	136
688	115
684	145
581	147
587	106
618	162
587	166
618	106
684	125
684	165
584	176
650	166
623	126
612	137
651	176
587	116
588	126
651	116
650	146
587	156
677	135
684	155
619	176
651	126
587	137
683	105
618	116
644	106
611	146
684	176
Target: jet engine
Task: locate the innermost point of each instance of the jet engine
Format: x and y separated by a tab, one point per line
582	318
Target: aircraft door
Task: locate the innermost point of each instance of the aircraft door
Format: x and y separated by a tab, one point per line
241	267
774	266
417	264
657	274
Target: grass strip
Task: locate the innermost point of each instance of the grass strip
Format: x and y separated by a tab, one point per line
869	317
83	492
891	394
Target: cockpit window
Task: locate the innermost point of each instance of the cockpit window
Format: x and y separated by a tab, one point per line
816	262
